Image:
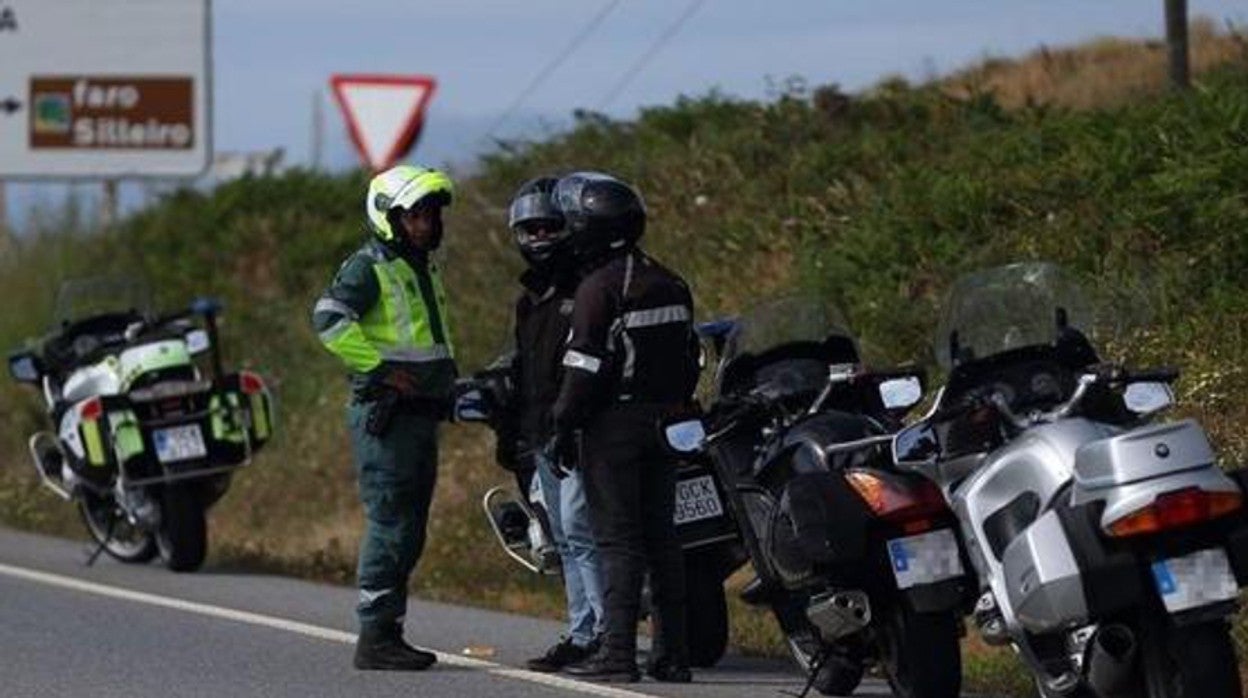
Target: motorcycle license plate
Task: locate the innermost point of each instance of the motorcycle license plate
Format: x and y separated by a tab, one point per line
1194	580
179	443
696	499
925	558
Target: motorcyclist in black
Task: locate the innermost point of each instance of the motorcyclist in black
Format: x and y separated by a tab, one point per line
631	361
542	320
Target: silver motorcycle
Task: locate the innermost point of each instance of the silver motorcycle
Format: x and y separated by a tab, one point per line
1109	547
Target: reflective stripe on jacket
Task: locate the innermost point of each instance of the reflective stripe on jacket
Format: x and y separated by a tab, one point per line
632	341
384	309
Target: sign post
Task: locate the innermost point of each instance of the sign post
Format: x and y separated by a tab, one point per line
384	114
1176	39
104	88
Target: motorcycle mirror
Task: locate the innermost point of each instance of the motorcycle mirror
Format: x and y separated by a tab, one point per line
901	393
915	446
686	436
470	406
716	332
197	342
24	368
206	306
1147	397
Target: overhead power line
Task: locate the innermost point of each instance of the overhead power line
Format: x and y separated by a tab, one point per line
650	52
553	65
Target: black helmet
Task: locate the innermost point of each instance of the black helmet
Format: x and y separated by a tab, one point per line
602	213
532	208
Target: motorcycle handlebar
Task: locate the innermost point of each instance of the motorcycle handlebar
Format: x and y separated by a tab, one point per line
1116	374
208	308
968	404
746	406
1160	374
857	445
1106	373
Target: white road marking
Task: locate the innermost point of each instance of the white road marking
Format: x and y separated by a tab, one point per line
308	630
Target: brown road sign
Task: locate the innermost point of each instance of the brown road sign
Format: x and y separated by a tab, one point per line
85	111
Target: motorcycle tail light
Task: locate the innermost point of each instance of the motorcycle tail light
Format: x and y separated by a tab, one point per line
902	501
250	383
1176	510
91	410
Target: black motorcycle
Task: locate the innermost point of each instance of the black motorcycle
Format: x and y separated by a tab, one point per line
859	562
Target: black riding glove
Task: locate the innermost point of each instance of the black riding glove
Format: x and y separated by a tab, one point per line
562	454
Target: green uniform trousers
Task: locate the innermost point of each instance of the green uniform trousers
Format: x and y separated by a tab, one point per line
396	472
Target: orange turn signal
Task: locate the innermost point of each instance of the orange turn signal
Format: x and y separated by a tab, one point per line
901	501
1177	509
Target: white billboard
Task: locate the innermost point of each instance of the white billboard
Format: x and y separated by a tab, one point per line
104	88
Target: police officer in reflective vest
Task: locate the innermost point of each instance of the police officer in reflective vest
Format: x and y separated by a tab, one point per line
385	317
631	360
542	320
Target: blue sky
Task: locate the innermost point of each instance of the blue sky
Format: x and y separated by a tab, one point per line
271	57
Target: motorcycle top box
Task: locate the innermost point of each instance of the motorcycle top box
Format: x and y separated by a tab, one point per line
148	427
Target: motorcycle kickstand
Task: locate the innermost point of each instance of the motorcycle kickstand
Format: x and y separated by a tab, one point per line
816	664
108	537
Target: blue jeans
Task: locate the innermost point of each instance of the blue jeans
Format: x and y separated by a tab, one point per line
582	575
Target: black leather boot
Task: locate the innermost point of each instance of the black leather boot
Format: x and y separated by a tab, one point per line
382	648
668	670
606	666
564	653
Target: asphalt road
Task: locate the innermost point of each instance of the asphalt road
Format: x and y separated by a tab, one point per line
139	630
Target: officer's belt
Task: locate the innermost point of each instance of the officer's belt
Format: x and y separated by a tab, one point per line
432	408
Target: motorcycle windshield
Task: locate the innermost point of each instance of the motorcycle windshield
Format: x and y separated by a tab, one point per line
806	325
780	321
1006	308
80	299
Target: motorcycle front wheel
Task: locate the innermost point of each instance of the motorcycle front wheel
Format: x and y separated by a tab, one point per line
183	534
1192	661
108	527
919	653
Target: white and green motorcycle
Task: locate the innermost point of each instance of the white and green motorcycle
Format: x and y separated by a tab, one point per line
148	426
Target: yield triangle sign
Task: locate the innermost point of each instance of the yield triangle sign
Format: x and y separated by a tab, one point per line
384	113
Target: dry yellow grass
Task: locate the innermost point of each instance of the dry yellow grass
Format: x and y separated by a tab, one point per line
1104	73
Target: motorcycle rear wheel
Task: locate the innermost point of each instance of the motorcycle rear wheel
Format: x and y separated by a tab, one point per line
183	534
126	543
838	675
920	653
1193	661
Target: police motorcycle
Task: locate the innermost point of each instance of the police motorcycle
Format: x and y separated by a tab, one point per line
144	440
860	563
1109	546
518	516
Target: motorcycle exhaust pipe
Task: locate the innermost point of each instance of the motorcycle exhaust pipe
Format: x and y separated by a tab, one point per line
1111	660
839	613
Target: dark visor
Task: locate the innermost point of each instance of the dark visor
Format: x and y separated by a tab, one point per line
533	207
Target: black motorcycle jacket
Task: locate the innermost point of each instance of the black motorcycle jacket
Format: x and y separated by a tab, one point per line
632	341
543	318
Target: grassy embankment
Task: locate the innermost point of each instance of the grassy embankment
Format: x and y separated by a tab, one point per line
877	201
